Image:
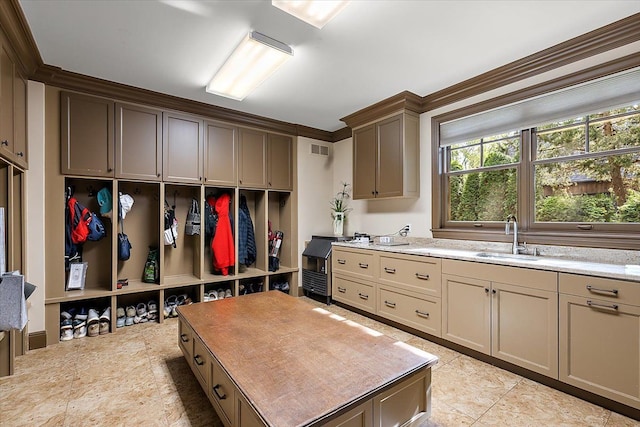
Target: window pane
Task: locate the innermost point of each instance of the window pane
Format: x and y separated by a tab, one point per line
483	196
465	158
503	152
560	142
604	190
620	132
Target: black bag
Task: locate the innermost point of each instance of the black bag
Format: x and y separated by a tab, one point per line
192	223
96	228
124	247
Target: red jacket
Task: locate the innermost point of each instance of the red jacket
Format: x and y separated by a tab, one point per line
222	242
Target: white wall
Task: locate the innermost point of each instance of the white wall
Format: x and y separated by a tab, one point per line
34	205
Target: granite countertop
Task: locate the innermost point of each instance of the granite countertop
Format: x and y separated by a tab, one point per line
614	264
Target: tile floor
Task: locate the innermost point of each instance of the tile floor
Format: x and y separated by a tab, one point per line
138	376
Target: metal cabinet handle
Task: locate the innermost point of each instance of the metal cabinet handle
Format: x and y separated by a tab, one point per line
184	338
218	395
486	290
602	291
390	270
363	296
422	313
390	304
5	142
363	265
493	291
595	304
342	261
198	360
422	276
342	290
20	154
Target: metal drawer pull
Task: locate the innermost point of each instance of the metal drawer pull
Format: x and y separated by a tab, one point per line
390	270
363	296
218	395
342	261
363	265
342	290
390	304
198	360
604	291
184	338
595	304
422	313
422	276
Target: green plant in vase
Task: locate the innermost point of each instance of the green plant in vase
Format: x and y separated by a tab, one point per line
340	208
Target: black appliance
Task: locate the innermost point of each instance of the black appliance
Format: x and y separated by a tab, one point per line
316	266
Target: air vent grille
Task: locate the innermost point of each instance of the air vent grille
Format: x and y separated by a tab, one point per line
321	150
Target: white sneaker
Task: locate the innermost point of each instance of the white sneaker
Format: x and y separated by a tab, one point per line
93	316
66	335
80	332
106	315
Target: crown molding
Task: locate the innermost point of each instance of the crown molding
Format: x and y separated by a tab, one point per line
15	28
406	100
605	38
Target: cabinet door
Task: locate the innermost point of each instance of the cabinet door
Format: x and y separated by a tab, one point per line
466	315
222	393
389	177
87	135
364	163
182	148
20	120
253	153
138	142
6	103
221	144
279	162
524	327
354	293
599	347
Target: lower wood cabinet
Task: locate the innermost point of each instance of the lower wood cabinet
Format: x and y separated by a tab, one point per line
200	362
222	393
356	293
421	313
600	337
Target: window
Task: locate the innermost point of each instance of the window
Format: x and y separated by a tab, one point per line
569	181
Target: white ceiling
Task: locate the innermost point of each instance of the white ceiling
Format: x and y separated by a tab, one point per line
372	50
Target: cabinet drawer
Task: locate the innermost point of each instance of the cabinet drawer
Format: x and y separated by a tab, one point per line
200	361
222	393
185	340
354	293
419	313
597	287
418	274
353	262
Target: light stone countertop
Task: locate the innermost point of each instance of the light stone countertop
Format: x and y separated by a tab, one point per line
612	263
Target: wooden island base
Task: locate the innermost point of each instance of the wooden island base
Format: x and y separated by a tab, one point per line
270	359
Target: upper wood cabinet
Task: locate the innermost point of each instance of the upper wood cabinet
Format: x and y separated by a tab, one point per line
13	110
87	135
279	161
182	148
386	158
252	169
138	142
221	154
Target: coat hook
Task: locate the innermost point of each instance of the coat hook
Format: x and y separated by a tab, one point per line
90	191
137	191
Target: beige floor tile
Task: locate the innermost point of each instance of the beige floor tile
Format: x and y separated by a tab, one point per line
471	386
445	355
617	420
443	415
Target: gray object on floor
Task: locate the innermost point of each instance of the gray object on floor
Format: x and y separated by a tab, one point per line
13	303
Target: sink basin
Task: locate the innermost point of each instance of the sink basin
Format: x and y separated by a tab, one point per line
520	257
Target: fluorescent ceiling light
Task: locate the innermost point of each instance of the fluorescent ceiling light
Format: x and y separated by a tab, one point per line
314	12
255	59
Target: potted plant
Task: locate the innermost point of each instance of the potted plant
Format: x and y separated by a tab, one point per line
340	208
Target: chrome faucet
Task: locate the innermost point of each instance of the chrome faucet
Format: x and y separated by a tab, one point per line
516	248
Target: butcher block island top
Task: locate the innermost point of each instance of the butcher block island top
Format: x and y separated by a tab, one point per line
294	364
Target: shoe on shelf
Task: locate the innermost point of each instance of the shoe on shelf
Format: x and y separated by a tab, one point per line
93	316
227	293
66	324
128	321
181	299
220	293
174	312
152	310
131	311
66	315
77	323
205	298
284	287
169	305
213	295
120	322
66	335
106	315
104	328
141	313
94	329
82	314
120	312
80	332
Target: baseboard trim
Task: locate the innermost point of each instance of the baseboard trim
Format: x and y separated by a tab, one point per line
37	340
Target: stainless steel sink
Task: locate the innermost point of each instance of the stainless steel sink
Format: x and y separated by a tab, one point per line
520	257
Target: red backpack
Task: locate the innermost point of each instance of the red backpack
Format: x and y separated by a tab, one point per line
79	219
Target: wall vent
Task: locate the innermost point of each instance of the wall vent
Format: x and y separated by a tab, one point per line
321	150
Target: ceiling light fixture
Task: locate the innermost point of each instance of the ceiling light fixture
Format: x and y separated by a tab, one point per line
314	12
256	58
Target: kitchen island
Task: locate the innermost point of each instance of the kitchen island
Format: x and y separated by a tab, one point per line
269	359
